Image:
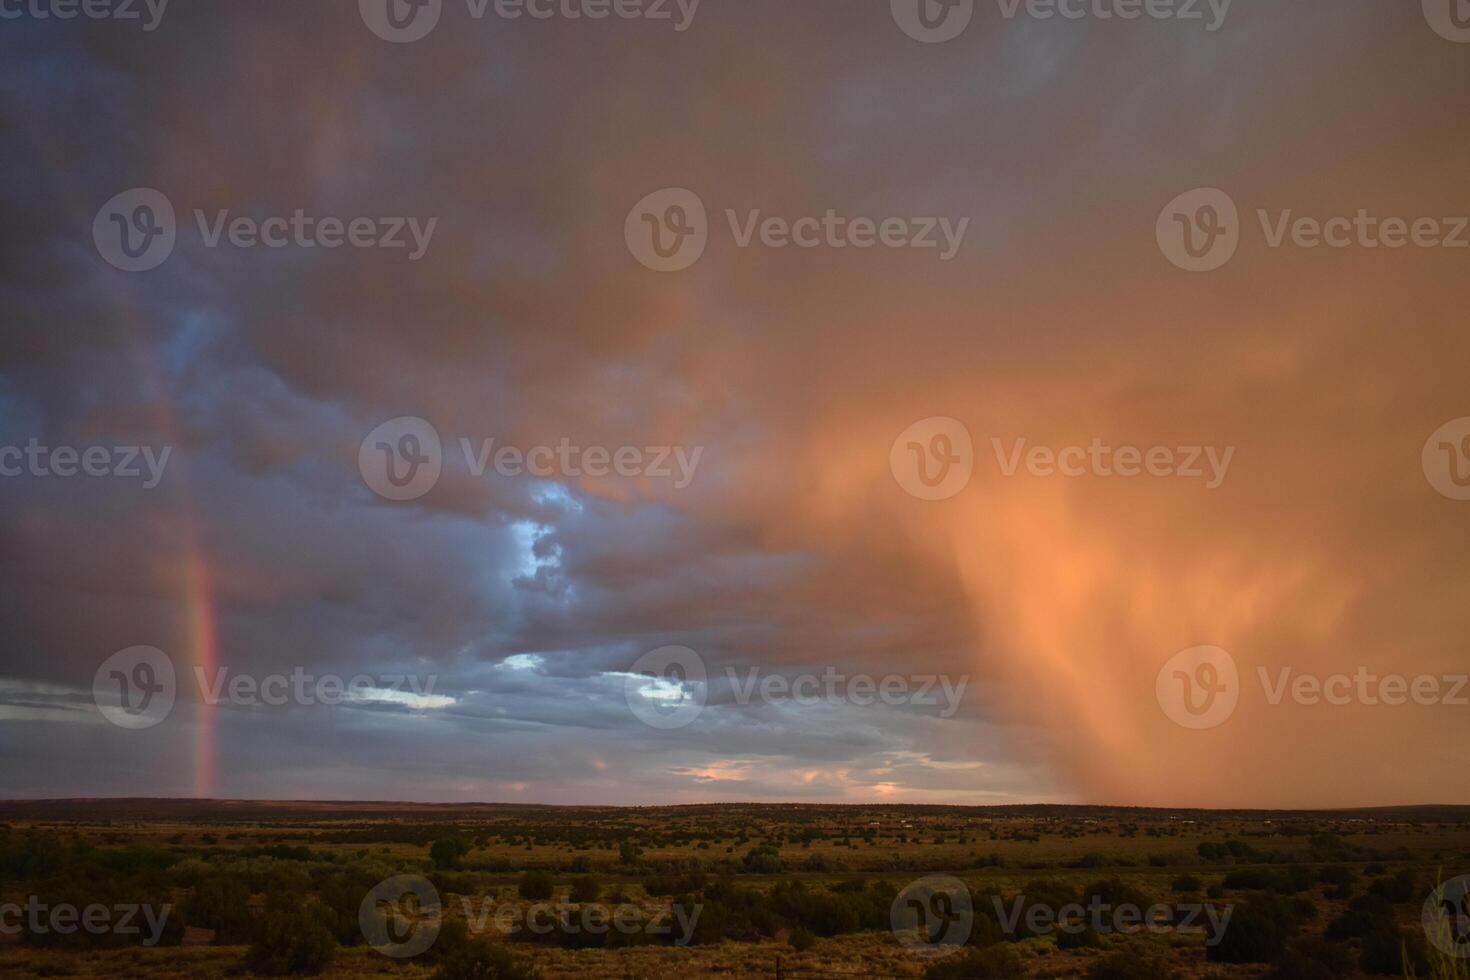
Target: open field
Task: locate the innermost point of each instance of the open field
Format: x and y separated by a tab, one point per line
731	890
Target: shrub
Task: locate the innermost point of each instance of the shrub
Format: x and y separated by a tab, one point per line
1248	878
291	939
585	890
801	939
1398	889
1339	881
447	852
535	886
1256	934
1314	959
762	860
1391	951
1364	914
1074	938
223	904
480	959
989	963
660	885
1187	883
1114	893
1132	963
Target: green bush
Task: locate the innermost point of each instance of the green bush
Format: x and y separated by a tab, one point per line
762	860
1132	963
801	939
1391	951
535	886
446	852
221	903
292	939
585	890
1257	933
989	963
1073	938
480	959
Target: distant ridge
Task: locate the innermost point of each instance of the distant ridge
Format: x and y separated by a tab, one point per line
153	808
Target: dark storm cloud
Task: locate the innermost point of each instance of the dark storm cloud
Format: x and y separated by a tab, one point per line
526	321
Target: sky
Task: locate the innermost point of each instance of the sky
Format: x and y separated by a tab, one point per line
845	455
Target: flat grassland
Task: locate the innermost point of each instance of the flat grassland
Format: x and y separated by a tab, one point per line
740	890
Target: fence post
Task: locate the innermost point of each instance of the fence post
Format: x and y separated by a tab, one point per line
779	974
